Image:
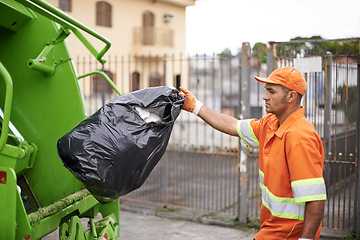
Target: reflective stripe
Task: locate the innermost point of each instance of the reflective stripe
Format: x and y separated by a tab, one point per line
309	189
282	207
279	206
261	177
246	133
293	208
299	216
310	181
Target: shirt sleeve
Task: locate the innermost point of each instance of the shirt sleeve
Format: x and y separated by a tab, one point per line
247	130
305	162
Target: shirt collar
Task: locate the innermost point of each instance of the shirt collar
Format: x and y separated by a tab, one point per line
289	121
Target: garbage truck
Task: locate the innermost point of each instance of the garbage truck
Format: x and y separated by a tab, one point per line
40	101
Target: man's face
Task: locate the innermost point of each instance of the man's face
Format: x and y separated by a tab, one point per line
275	99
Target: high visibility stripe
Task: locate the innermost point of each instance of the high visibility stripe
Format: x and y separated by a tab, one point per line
309	189
310	181
293	208
246	133
311	198
282	207
261	177
279	206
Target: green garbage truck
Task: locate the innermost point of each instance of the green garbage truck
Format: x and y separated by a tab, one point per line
40	101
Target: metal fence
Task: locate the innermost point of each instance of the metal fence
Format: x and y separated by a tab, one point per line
332	105
209	171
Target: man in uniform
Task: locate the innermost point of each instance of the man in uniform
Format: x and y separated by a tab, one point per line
291	156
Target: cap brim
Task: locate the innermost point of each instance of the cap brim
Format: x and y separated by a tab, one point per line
265	80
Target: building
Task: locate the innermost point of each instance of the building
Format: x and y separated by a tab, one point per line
143	33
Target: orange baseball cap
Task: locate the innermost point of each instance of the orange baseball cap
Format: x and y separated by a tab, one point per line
288	77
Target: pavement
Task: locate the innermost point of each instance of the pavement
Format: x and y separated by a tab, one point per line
136	226
150	221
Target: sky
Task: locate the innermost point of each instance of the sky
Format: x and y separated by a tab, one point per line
213	25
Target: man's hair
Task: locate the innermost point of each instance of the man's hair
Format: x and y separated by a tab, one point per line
287	90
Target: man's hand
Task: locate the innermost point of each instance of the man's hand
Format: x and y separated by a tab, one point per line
190	104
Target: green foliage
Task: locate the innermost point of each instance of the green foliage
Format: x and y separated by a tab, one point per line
251	196
225	53
259	51
299	45
350	236
255	224
336	48
316	37
166	209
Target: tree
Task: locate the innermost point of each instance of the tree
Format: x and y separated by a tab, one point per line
259	51
319	48
225	53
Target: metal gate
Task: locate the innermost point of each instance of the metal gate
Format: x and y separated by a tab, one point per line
206	170
332	105
200	167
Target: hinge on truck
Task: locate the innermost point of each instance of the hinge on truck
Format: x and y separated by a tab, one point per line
47	60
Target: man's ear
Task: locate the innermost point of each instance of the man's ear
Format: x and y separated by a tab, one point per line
292	96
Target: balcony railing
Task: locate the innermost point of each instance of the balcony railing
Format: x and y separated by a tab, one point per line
151	36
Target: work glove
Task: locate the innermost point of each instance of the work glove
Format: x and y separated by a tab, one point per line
191	104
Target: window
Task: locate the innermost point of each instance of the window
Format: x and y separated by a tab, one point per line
135	79
155	80
103	14
97	84
65	5
148	28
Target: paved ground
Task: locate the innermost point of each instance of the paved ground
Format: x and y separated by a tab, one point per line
139	226
146	221
150	221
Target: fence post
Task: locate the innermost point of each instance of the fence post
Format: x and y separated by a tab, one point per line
357	204
270	55
328	103
244	114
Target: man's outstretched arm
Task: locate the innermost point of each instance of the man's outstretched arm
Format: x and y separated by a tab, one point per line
223	123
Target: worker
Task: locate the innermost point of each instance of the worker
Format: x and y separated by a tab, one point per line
291	156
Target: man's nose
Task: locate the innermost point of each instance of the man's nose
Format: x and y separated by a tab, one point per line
265	97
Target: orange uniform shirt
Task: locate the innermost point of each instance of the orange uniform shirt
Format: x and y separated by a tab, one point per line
290	169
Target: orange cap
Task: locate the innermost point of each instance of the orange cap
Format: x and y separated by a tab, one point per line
288	77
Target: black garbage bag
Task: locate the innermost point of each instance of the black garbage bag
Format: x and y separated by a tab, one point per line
113	151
